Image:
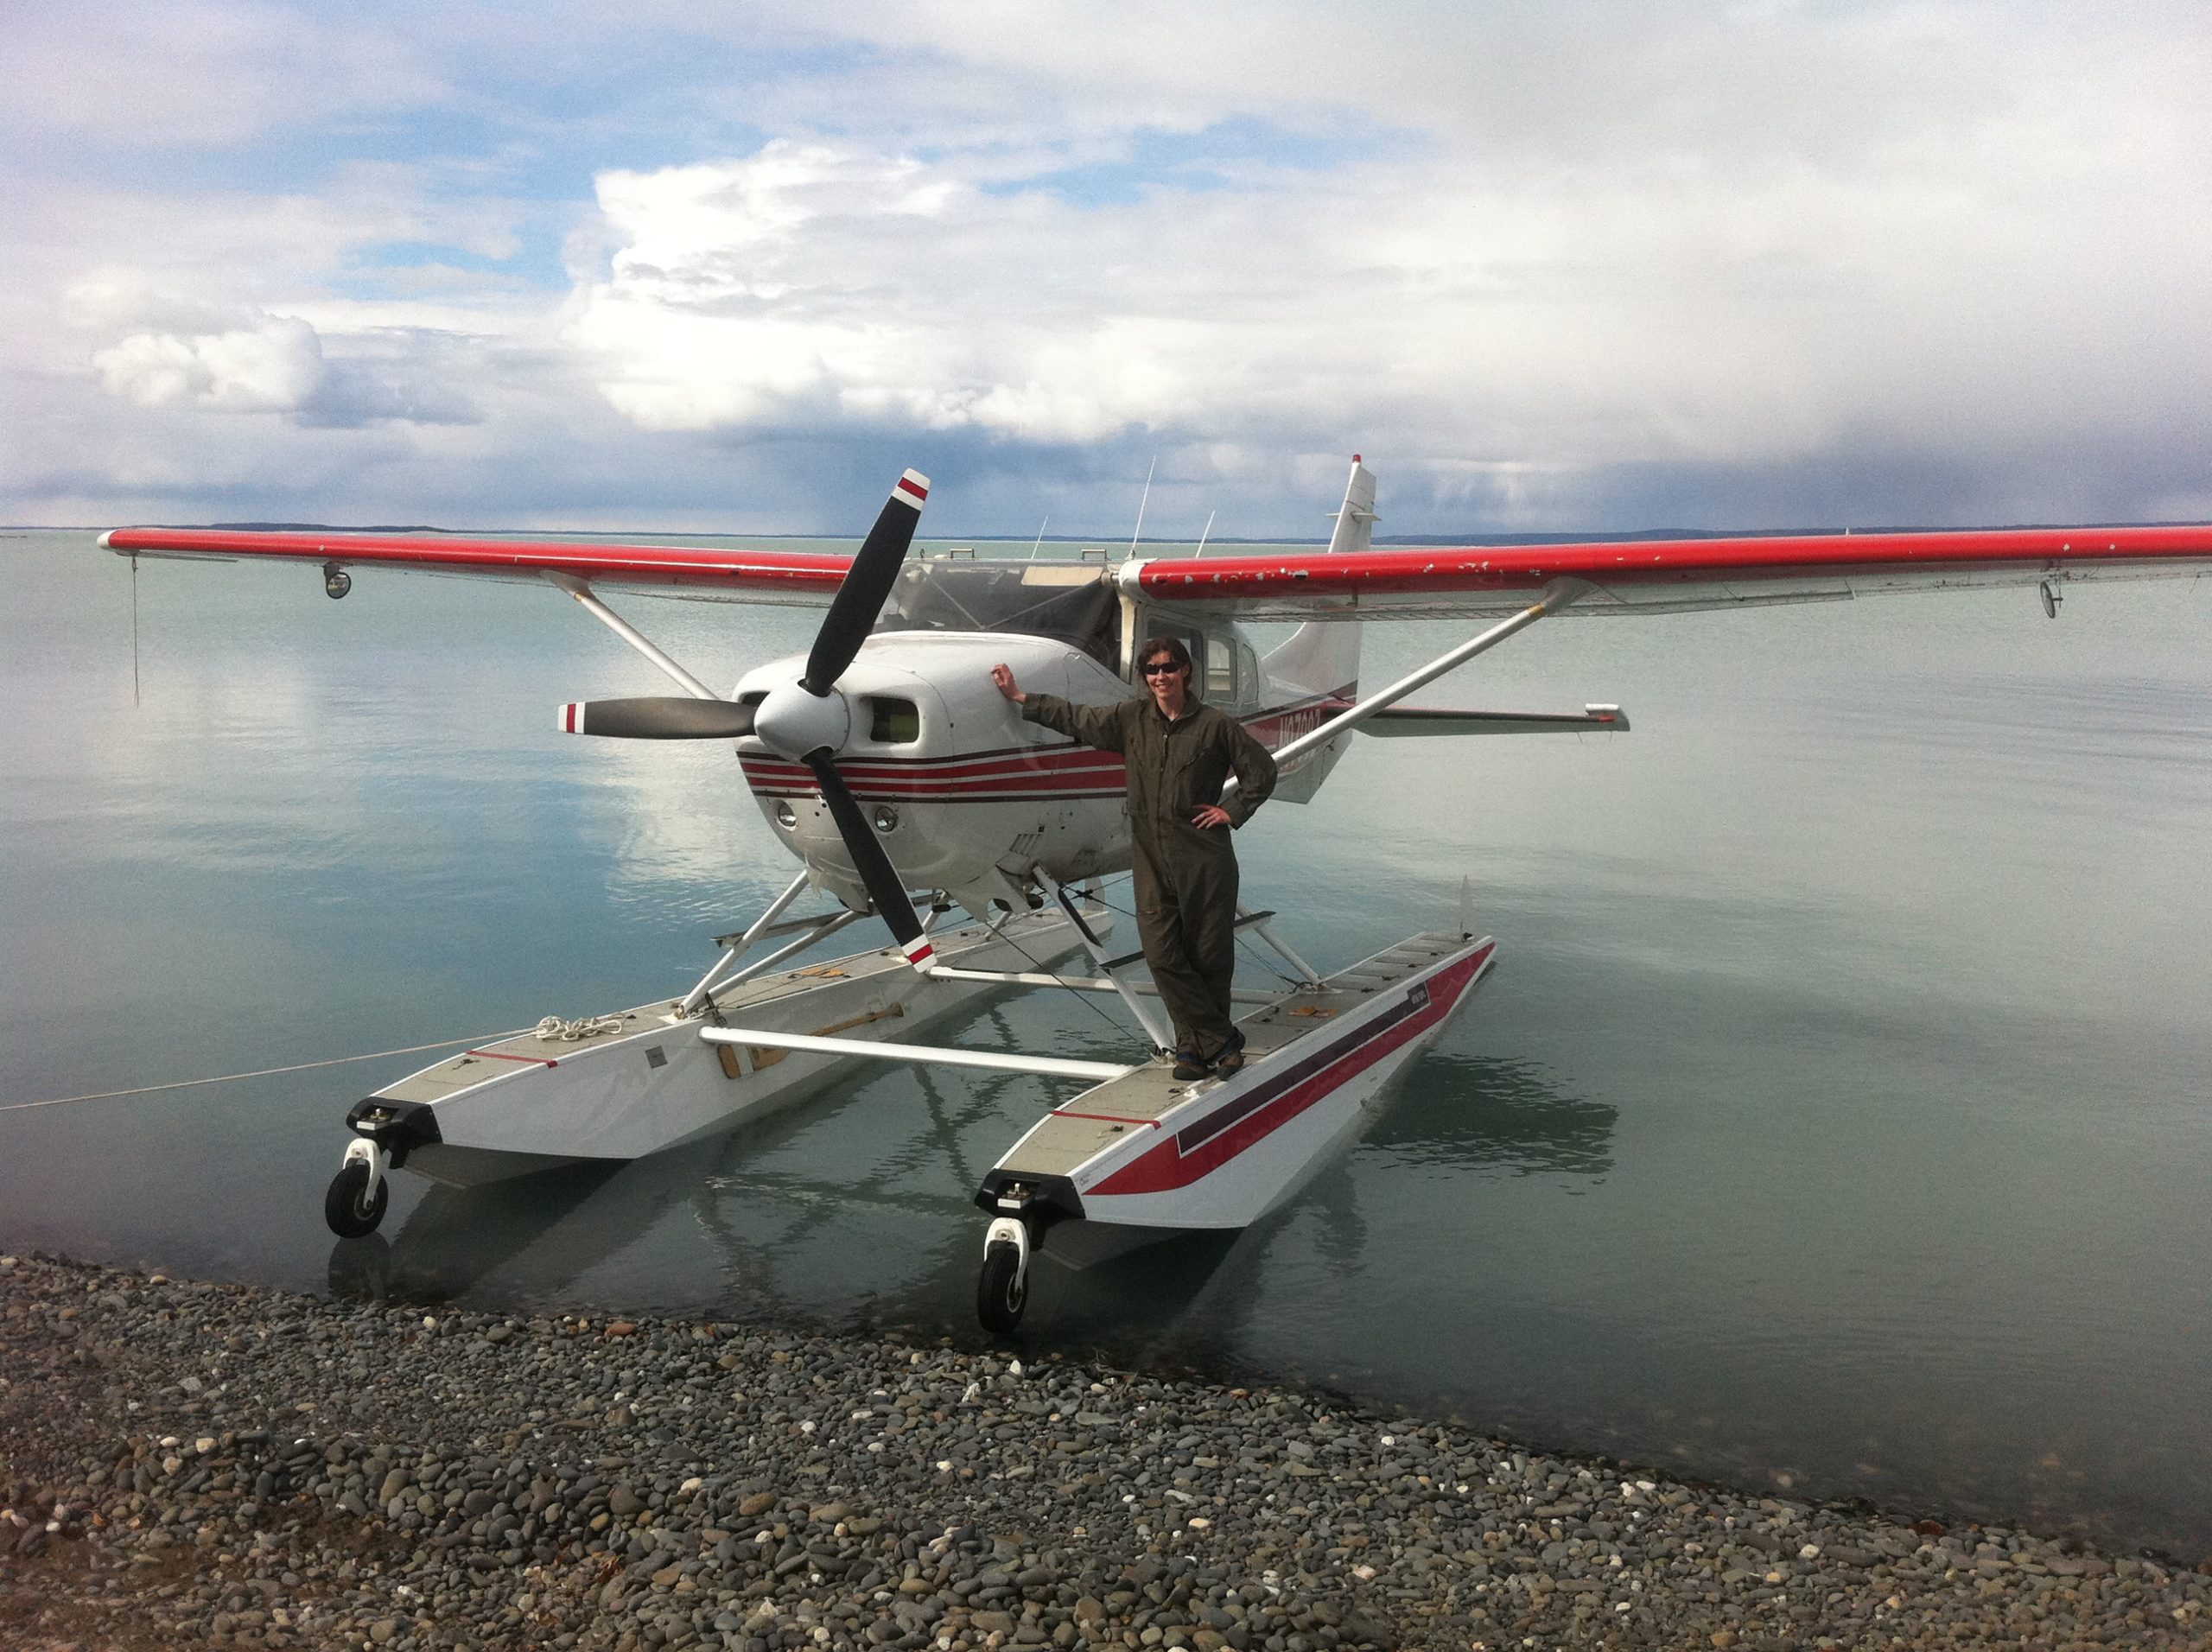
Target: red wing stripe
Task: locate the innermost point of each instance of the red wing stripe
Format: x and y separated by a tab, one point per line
678	565
1446	569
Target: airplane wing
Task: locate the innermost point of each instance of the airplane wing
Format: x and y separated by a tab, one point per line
732	575
1662	575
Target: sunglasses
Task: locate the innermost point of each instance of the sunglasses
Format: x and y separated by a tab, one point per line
1161	668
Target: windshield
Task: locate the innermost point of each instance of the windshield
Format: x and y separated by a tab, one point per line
1072	602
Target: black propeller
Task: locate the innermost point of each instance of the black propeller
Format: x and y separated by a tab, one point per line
867	583
799	720
658	717
884	886
852	612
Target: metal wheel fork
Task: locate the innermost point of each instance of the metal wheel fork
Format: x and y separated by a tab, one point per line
1003	1287
354	1203
378	1160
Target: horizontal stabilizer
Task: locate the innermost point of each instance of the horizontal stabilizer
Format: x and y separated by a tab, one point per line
658	717
1412	722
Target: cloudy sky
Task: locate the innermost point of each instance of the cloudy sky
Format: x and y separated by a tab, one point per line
730	267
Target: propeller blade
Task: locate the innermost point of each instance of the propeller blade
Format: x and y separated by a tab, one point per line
867	583
658	717
884	886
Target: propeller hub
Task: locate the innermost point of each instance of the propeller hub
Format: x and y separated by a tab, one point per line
794	722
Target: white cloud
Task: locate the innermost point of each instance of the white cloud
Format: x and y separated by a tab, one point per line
201	72
177	351
1530	259
275	367
1526	317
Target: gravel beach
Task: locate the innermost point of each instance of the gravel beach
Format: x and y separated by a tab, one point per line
189	1465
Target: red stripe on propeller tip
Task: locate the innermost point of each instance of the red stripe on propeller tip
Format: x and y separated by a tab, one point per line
568	717
915	484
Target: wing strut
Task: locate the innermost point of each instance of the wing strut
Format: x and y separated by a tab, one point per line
630	634
1556	595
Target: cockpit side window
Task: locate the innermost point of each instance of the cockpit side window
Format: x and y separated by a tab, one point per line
1154	625
893	722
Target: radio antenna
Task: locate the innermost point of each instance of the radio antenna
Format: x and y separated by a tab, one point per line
1040	535
1208	529
1142	500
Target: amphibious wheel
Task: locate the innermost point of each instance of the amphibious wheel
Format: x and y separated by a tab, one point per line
1002	1289
349	1208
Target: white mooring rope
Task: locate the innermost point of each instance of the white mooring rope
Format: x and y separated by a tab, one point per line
264	1073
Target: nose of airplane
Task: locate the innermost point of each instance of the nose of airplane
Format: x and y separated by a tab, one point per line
795	722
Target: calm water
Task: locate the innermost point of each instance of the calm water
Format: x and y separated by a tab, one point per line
1835	1122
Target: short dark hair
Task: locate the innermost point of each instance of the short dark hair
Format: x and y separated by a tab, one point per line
1175	648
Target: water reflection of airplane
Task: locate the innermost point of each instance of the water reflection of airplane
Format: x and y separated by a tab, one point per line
880	1237
1471	1112
886	761
539	1235
1456	1111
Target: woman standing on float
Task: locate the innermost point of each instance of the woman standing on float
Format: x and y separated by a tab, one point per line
1179	752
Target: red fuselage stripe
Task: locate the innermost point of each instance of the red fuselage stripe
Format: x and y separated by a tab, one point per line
1034	774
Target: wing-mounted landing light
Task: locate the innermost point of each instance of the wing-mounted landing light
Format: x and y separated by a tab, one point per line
658	717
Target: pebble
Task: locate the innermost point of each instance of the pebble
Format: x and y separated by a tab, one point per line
360	1474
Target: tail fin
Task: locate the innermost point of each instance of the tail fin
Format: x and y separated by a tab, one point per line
1321	657
1356	516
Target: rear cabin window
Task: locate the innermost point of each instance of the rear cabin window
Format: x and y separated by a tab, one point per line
1221	670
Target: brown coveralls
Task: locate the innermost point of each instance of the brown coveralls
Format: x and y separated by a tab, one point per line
1186	874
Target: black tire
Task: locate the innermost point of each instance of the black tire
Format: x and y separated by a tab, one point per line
1001	1291
348	1214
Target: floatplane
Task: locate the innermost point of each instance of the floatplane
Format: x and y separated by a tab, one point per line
887	762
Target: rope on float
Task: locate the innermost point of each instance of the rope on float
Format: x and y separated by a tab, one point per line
264	1073
588	1026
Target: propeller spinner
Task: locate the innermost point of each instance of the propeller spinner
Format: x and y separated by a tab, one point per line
807	720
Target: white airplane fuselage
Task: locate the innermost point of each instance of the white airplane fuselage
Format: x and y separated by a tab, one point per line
970	798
